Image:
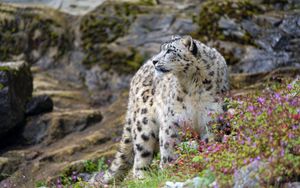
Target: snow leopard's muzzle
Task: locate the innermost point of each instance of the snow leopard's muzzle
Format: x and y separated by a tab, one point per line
159	67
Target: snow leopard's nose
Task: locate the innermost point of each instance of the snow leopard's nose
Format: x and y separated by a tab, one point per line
154	62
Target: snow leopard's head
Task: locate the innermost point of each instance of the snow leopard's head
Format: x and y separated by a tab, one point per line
178	55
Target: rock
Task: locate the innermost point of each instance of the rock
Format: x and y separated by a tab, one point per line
256	61
292	185
3	165
9	163
191	183
244	80
267	39
248	176
228	24
54	126
38	105
15	91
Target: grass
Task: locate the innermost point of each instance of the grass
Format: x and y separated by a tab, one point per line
73	179
154	178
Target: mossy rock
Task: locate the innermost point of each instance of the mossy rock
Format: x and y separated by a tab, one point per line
16	78
107	22
25	29
121	61
213	10
103	26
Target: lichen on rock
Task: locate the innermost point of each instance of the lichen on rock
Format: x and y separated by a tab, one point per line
28	31
213	11
104	25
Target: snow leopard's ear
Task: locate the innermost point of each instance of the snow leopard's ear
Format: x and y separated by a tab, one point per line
188	42
174	37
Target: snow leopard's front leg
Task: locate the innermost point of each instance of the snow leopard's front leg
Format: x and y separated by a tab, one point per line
145	138
168	139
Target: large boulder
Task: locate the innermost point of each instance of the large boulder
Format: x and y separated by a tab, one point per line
15	90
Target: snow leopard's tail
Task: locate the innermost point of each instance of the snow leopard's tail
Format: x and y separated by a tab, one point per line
123	159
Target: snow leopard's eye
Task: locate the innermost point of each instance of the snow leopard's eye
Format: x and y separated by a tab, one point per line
169	51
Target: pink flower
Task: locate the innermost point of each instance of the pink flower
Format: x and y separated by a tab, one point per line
290	135
296	116
270	111
277	96
251	108
261	100
289	87
225	139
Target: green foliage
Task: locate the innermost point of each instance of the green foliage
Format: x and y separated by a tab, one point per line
90	166
1	86
40	184
154	178
197	159
73	179
264	127
102	165
99	165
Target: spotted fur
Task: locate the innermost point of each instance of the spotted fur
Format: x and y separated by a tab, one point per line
177	86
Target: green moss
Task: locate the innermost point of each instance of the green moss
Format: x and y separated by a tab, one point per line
1	86
211	12
148	2
4	68
120	61
108	22
136	61
103	26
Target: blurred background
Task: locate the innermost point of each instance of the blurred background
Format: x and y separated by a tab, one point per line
63	94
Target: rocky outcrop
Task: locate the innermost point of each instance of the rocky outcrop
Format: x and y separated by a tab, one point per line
254	36
248	176
54	126
15	91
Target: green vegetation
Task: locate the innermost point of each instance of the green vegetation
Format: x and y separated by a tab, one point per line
90	166
71	177
264	127
4	68
148	2
154	178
